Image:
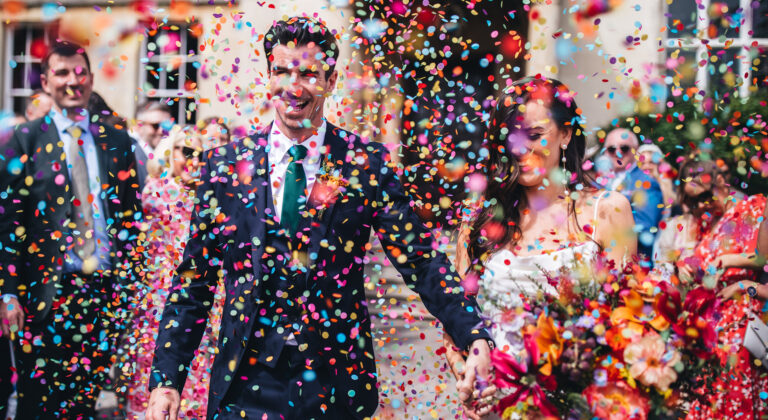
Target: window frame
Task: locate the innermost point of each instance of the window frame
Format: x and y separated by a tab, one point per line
160	60
698	44
25	60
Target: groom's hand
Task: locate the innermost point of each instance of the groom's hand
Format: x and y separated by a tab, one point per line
476	382
163	404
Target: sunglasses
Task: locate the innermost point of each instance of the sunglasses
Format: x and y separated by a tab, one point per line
189	152
155	126
624	149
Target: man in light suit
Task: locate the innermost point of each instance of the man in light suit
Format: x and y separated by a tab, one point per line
68	206
289	212
642	190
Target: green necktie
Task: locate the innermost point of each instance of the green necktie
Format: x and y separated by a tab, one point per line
293	191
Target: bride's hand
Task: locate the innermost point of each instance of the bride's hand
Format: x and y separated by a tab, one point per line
480	408
454	358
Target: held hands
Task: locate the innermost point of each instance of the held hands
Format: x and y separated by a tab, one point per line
11	317
164	404
472	375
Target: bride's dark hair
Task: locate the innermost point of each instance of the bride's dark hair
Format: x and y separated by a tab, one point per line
498	224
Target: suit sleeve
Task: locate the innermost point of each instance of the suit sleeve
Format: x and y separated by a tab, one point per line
191	294
410	247
130	199
12	229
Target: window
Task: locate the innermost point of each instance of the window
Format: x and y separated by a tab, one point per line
718	47
169	67
25	46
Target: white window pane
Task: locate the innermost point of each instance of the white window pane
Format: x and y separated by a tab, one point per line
760	69
723	71
681	18
681	71
760	19
725	19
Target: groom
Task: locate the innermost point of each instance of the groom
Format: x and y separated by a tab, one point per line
295	339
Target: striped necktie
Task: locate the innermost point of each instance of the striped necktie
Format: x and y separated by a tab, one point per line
82	215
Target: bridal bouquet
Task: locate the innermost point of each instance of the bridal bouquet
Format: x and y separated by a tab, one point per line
616	345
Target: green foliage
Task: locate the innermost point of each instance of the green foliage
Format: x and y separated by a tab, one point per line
732	129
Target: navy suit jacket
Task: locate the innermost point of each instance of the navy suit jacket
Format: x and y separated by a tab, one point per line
228	227
644	194
36	205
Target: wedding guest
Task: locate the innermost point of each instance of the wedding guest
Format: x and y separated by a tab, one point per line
153	121
704	197
66	279
651	160
39	104
642	190
168	200
6	364
727	252
216	130
762	238
545	217
286	216
98	106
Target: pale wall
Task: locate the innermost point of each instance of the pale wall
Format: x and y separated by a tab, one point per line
584	70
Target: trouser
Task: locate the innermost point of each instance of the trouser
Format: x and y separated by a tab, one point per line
63	360
6	375
287	391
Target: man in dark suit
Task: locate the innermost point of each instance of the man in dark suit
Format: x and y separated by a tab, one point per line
295	339
68	206
642	190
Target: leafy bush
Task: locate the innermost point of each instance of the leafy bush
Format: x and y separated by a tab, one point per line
732	129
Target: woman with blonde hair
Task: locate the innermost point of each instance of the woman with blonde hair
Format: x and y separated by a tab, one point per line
168	199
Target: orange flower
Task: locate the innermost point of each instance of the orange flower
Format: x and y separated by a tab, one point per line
632	316
549	342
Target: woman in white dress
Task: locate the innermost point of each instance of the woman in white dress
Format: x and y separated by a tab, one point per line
539	214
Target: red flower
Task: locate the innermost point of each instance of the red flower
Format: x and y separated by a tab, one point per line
512	375
616	401
668	302
701	301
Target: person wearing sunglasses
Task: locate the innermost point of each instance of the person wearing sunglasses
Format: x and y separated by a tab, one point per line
642	190
714	243
168	200
153	122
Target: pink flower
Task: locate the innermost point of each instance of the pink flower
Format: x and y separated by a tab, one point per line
651	363
616	401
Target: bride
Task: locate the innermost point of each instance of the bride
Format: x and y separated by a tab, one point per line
540	215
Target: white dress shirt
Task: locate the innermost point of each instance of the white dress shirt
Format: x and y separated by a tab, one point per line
279	158
620	177
73	263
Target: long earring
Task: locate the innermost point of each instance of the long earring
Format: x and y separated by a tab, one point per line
562	154
566	174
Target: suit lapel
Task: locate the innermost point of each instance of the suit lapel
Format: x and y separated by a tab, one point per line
334	159
255	156
103	151
58	157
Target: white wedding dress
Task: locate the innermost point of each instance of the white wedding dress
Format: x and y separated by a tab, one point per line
508	277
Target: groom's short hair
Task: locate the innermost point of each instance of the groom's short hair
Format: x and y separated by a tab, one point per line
302	31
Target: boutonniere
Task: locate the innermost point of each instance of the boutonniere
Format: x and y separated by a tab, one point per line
328	187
